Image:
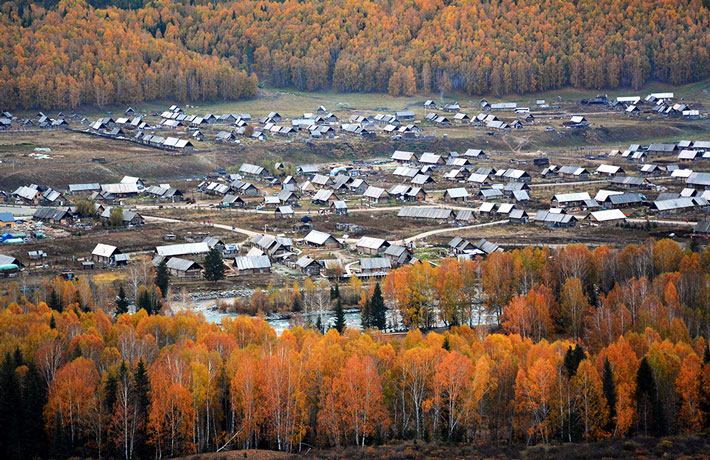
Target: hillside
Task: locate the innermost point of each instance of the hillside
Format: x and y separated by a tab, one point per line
66	53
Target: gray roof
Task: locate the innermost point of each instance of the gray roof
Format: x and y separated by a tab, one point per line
702	227
395	250
608	214
28	193
374	192
252	262
370	243
247	168
323	195
84	187
375	263
317	238
486	246
104	250
420	179
698	178
8	260
55	214
422	212
517	214
403	156
183	265
625	198
572	197
491	192
459	192
553	218
305	261
662	147
627	180
182	249
464	214
120	188
679	203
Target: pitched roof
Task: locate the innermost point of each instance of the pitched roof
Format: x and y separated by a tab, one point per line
571	197
317	238
375	263
370	243
252	262
424	212
459	192
104	250
400	155
182	249
607	215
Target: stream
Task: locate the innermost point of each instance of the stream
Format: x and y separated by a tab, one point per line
280	322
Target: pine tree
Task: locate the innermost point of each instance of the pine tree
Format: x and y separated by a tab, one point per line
52	323
80	302
366	315
609	389
339	317
319	324
143	300
121	302
141	392
34	397
214	266
297	303
704	404
572	359
650	410
446	345
378	308
10	408
55	303
110	393
162	277
336	291
17	357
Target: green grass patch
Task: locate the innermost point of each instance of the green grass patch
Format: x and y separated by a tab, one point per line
21	147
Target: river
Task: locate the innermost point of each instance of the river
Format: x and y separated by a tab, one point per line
280	324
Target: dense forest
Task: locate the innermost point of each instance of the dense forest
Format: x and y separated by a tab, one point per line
594	344
63	53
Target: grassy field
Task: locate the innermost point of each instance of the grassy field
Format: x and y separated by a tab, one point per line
292	103
72	153
675	447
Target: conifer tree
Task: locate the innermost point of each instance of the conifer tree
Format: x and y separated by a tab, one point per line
121	302
609	390
162	277
143	300
378	308
10	408
55	303
34	397
214	266
704	405
573	357
339	316
366	315
141	392
650	410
